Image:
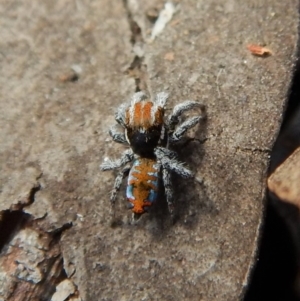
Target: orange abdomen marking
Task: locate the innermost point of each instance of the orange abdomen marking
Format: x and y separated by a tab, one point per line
143	184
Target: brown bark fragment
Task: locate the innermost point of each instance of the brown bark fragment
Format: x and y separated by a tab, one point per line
31	266
284	181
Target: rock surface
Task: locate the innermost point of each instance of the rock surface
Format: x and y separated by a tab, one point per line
67	65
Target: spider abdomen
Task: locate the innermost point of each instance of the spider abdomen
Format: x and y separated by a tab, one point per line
143	184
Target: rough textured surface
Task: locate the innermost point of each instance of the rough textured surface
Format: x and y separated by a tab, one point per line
31	265
64	72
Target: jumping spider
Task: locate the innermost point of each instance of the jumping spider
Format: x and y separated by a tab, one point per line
149	136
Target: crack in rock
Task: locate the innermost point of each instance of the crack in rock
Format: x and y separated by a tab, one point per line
137	68
31	260
31	263
255	150
13	219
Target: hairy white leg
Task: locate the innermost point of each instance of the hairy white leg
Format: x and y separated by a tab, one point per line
117	136
183	128
120	114
109	164
118	182
165	152
168	189
181	108
169	162
161	99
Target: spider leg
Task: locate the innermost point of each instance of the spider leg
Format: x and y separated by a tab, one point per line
179	109
168	189
164	152
117	136
168	161
118	182
182	129
127	156
120	114
161	99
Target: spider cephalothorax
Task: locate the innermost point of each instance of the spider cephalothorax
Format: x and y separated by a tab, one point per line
149	135
144	127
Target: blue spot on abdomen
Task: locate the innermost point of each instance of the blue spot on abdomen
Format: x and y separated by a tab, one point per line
129	191
152	196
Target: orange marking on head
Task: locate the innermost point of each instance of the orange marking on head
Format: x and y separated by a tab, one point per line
147	118
137	114
141	112
141	115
